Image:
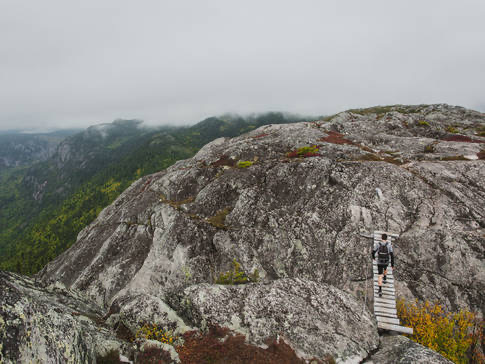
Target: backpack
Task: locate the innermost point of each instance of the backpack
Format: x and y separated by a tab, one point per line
383	254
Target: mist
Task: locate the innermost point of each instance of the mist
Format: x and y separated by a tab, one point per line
75	64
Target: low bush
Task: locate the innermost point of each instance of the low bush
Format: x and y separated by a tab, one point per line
220	346
153	355
455	335
335	138
156	332
423	123
111	357
452	130
429	148
237	276
244	164
305	152
462	139
219	219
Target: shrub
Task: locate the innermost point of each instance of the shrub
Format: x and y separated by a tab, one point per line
237	276
244	164
462	139
111	357
453	158
218	219
154	355
423	123
450	334
452	130
156	332
335	138
224	160
220	346
429	148
305	152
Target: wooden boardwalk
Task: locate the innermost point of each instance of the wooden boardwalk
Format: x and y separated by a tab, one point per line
385	306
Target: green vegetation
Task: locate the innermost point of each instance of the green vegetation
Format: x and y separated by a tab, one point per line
71	190
219	219
237	276
453	158
111	357
157	333
308	151
429	148
379	110
452	130
423	123
455	335
244	164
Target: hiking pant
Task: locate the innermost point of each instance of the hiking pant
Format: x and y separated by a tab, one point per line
381	268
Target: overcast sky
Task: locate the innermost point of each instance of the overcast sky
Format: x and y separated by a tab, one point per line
77	63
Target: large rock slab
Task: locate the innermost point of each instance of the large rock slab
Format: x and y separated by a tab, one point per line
302	217
316	319
400	349
51	325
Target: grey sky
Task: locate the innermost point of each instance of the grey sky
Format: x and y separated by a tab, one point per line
77	63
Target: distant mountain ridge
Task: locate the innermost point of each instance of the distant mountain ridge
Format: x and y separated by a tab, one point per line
46	204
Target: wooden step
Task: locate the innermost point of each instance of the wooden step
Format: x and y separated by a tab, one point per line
383	299
387	320
388	315
386	285
384	305
385	290
403	329
385	310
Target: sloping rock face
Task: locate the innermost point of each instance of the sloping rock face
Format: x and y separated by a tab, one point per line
53	325
316	319
302	217
400	349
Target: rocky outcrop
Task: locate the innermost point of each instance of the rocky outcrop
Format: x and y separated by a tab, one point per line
317	320
400	349
51	325
301	217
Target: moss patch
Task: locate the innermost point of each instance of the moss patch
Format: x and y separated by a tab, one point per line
304	152
218	219
244	164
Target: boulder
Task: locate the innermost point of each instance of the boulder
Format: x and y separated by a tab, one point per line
50	325
315	319
400	349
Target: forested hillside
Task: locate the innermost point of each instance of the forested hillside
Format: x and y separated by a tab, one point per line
46	205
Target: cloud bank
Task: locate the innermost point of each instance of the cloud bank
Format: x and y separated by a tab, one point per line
71	64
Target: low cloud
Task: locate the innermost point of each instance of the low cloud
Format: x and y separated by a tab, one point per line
65	64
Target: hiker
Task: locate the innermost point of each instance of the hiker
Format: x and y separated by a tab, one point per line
383	250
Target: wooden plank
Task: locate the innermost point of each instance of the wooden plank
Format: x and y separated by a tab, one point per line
384	285
386	315
387	320
386	296
403	329
388	280
391	311
385	289
385	305
384	299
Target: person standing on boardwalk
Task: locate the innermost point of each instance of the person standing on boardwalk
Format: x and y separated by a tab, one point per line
383	249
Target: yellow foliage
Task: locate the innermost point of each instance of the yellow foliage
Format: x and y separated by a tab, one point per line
449	333
110	186
155	332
